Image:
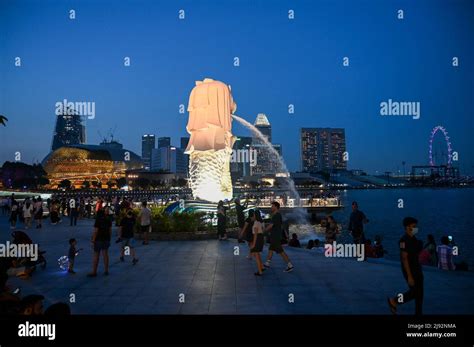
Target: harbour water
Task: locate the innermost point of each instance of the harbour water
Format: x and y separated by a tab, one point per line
440	211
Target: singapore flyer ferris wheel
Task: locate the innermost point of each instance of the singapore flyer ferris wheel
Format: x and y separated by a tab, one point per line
445	152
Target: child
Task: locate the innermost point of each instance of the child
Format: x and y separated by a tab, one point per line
72	255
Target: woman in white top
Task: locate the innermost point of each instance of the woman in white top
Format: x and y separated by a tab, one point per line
28	213
257	242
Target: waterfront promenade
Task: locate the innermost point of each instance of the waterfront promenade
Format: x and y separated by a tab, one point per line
215	281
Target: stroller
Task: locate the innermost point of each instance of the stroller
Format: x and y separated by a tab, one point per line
22	238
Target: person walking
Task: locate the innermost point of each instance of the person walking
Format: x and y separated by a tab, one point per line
28	213
275	238
145	221
410	248
101	242
221	221
247	232
39	212
257	242
14	211
356	223
73	211
239	209
127	225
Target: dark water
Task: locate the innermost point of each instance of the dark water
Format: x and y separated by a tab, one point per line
439	212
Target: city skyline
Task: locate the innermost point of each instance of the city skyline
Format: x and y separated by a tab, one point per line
297	62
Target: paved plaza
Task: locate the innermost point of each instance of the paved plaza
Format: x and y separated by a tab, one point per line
215	281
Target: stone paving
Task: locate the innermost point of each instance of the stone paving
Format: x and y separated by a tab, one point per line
215	281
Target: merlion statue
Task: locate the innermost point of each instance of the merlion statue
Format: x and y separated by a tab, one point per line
210	145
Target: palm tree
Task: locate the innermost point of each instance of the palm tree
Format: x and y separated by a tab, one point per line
3	119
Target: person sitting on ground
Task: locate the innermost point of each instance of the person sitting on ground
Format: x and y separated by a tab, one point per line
331	230
32	305
430	248
379	251
310	244
294	242
368	249
318	247
445	255
58	311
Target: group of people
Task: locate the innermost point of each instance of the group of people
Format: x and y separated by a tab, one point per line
102	234
23	211
254	231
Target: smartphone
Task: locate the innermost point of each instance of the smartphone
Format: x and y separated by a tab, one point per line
16	291
450	238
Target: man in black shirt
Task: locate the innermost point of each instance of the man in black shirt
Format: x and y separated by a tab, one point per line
275	238
101	241
127	226
410	248
356	223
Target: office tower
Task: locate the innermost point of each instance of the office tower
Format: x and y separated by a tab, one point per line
164	142
148	144
242	156
168	159
69	130
267	162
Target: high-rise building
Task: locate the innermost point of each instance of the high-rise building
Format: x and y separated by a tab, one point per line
184	144
148	144
168	159
322	149
267	162
240	167
69	130
164	142
262	124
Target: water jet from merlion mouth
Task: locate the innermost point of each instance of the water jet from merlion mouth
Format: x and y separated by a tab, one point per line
298	213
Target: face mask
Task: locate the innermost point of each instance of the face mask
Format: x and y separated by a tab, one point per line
414	231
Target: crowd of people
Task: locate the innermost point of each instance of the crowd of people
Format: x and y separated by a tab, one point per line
253	230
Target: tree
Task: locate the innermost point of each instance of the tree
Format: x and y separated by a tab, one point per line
86	184
121	182
143	183
325	175
182	182
43	181
254	184
66	184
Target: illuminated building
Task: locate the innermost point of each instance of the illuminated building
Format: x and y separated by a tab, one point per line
69	130
148	144
323	149
93	163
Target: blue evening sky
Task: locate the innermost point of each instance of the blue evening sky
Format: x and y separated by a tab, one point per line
282	62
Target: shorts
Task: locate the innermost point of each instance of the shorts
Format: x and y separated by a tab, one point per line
258	244
145	228
129	241
101	246
275	246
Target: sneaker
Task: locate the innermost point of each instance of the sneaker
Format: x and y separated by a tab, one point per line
267	265
71	271
258	274
122	259
92	275
288	269
134	261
